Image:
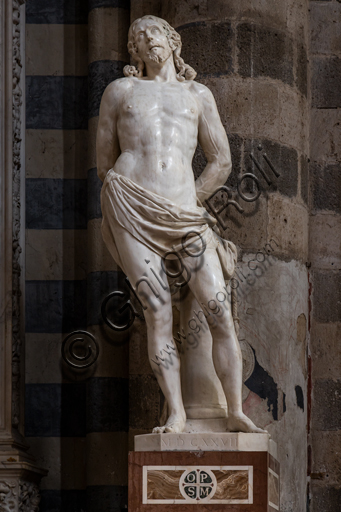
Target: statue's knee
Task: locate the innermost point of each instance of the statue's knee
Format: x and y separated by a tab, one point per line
158	317
223	327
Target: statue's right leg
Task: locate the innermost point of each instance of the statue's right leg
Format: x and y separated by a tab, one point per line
143	269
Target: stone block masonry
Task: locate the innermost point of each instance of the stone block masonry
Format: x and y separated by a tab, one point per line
325	236
208	46
264	52
71	418
108	412
56	215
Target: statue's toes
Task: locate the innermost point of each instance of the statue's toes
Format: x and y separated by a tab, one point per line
259	431
174	428
158	430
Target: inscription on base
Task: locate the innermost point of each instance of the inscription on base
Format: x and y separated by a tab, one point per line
200	442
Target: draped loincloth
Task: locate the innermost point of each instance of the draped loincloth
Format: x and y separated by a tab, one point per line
155	221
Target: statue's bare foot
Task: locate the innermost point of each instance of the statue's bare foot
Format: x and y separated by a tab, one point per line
174	425
241	423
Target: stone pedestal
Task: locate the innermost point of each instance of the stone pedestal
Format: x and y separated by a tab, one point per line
212	471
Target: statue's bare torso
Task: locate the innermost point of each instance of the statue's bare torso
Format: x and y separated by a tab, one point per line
158	156
149	130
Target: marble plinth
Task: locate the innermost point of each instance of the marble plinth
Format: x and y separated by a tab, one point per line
206	441
218	471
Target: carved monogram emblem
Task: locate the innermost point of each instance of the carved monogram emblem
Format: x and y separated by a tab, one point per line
193	485
197	485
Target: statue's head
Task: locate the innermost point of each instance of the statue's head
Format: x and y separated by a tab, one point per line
152	39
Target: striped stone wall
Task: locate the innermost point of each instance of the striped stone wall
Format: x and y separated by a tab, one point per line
108	387
325	240
56	234
76	420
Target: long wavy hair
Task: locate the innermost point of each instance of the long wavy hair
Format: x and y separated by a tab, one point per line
185	72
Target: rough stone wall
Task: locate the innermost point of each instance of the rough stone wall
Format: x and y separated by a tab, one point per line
324	255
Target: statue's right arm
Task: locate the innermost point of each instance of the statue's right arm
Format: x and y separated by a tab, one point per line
107	143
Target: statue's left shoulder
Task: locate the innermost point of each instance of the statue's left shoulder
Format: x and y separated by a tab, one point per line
196	87
202	93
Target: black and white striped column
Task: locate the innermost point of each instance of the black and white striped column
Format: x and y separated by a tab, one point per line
56	234
107	390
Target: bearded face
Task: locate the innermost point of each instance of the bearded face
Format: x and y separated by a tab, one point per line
151	41
158	54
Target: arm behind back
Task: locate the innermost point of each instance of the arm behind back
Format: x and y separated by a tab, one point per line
107	143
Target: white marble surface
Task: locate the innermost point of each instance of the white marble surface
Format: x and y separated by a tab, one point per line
202	393
149	126
206	441
205	425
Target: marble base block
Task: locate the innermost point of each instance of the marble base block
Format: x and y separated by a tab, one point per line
211	471
207	442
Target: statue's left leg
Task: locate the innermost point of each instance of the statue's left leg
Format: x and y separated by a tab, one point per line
143	268
208	286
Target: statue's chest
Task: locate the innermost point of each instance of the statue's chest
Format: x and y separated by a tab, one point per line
151	102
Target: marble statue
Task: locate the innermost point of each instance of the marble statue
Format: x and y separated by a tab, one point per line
150	123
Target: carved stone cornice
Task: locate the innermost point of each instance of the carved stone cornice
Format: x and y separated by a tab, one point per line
6	214
19	475
17	225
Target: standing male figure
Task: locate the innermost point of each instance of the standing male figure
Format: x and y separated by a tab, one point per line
149	127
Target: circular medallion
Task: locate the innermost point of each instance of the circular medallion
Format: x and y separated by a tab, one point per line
198	485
